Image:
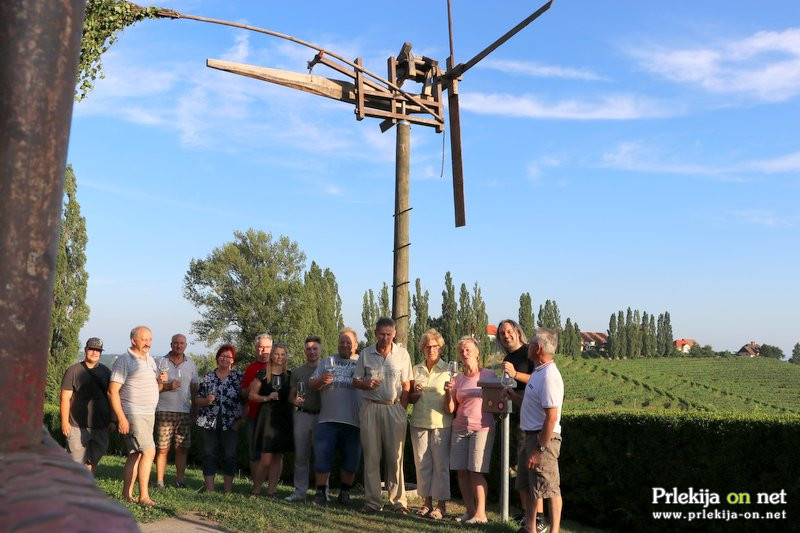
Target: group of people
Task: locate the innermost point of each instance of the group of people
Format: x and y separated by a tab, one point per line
350	403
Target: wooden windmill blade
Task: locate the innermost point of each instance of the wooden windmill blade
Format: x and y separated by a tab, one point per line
450	80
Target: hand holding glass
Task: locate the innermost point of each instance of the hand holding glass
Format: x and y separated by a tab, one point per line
301	389
276	382
452	367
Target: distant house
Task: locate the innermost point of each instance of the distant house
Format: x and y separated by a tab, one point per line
593	339
684	345
491	331
750	350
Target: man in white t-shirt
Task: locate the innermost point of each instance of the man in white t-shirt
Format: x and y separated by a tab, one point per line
540	418
133	395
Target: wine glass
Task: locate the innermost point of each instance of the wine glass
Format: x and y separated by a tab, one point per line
329	364
301	389
163	368
452	367
507	381
276	382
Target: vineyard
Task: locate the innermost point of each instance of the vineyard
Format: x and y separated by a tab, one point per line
724	385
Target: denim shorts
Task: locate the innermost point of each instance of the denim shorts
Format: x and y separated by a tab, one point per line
332	435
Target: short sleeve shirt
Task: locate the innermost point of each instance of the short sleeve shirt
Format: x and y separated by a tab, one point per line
179	400
249	375
340	400
89	404
139	392
429	410
545	389
394	370
302	374
227	406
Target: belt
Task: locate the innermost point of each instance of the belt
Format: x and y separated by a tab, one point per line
537	431
383	402
309	411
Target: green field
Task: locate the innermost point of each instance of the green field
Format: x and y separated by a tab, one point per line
722	385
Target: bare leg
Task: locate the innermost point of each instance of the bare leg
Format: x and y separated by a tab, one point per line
227	484
260	472
321	478
180	462
480	487
209	481
161	463
465	484
442	505
131	464
145	468
346	477
275	468
555	513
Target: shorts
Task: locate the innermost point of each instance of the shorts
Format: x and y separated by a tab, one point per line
545	481
170	424
471	450
332	435
140	436
87	445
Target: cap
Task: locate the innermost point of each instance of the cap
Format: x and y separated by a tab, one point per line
94	343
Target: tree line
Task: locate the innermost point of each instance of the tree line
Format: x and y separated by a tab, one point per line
634	334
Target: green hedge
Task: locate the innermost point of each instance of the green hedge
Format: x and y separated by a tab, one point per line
611	462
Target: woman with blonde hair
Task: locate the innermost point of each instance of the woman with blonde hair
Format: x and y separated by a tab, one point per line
472	436
274	431
430	427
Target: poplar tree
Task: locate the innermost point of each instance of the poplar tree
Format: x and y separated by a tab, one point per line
324	305
646	349
70	311
621	343
795	354
549	316
449	317
369	316
611	340
481	321
526	318
651	334
661	335
419	303
466	315
669	346
384	303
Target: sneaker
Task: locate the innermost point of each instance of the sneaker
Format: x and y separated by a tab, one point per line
344	497
160	484
369	510
180	484
295	497
320	498
541	525
463	518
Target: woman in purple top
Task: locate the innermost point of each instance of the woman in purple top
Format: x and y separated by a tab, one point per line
473	431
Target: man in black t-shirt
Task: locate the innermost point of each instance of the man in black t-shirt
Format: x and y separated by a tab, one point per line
85	412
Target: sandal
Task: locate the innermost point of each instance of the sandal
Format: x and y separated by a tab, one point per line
436	514
423	511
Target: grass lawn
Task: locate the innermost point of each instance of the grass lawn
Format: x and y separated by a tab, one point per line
237	511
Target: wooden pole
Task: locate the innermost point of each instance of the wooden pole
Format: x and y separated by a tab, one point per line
401	224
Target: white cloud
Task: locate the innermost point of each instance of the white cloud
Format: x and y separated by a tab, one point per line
765	65
611	107
534	168
528	68
765	217
240	51
636	156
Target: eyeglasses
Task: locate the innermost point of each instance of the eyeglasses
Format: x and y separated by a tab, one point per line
226	357
431	347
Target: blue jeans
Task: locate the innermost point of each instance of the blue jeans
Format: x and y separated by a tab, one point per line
219	447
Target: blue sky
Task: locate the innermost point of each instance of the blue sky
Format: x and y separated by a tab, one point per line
615	154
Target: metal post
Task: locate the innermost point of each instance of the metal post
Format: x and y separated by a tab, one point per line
401	223
39	46
504	452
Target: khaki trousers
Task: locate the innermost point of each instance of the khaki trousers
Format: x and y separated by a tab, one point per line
383	427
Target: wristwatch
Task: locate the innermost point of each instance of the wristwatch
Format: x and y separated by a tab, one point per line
541	448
